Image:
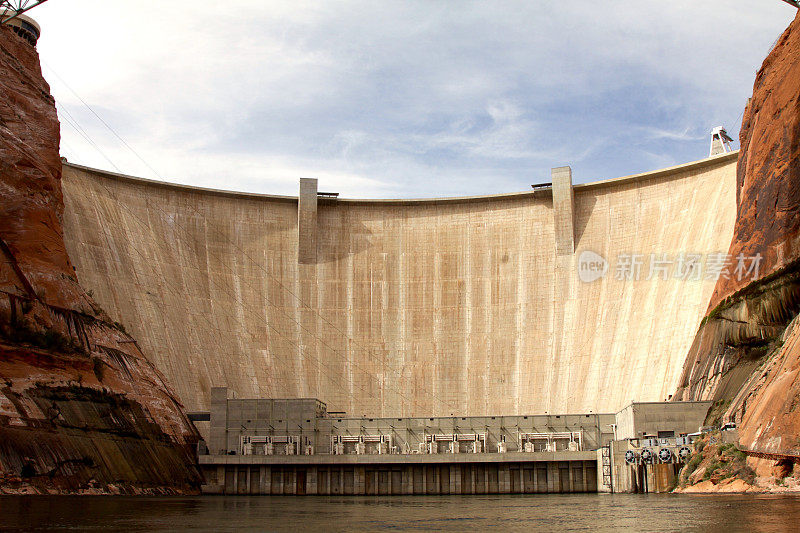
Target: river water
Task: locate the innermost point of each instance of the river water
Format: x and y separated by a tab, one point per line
573	512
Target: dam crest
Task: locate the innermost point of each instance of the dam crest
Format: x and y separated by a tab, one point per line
406	307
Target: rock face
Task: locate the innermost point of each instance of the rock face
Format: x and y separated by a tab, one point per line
81	408
768	173
34	256
746	355
767	406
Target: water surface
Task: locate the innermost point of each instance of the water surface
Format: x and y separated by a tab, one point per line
550	512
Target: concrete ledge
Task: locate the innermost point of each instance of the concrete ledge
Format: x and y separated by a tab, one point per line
212	489
411	459
660	173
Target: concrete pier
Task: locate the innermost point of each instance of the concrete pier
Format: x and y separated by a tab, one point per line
307	221
563	210
513	473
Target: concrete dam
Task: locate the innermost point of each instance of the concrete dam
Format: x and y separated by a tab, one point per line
428	307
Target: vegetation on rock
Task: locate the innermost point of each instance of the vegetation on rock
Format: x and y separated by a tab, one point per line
714	460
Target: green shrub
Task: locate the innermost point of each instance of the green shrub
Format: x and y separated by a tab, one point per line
725	447
692	465
737	455
712	469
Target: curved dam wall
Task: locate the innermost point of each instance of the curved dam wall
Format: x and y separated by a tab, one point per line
404	307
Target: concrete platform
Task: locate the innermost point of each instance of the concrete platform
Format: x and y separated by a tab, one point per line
392	459
517	473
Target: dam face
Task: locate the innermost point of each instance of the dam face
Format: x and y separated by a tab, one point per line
467	306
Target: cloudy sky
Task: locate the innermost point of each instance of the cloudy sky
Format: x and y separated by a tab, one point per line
399	99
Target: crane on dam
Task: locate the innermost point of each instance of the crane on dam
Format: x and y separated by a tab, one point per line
11	14
10	9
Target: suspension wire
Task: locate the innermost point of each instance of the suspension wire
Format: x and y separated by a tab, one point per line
70	120
330	376
247	256
69	149
128	146
368	351
178	292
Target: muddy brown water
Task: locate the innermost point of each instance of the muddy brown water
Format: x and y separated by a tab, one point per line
579	512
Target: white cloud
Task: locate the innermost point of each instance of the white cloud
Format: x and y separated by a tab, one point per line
401	98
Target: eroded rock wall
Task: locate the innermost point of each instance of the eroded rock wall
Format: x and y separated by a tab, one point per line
33	252
81	408
745	355
768	172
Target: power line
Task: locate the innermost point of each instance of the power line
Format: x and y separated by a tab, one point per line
70	120
233	297
178	292
129	147
368	351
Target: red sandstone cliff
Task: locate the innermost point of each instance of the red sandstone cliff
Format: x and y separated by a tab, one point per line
746	355
34	256
81	408
768	172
